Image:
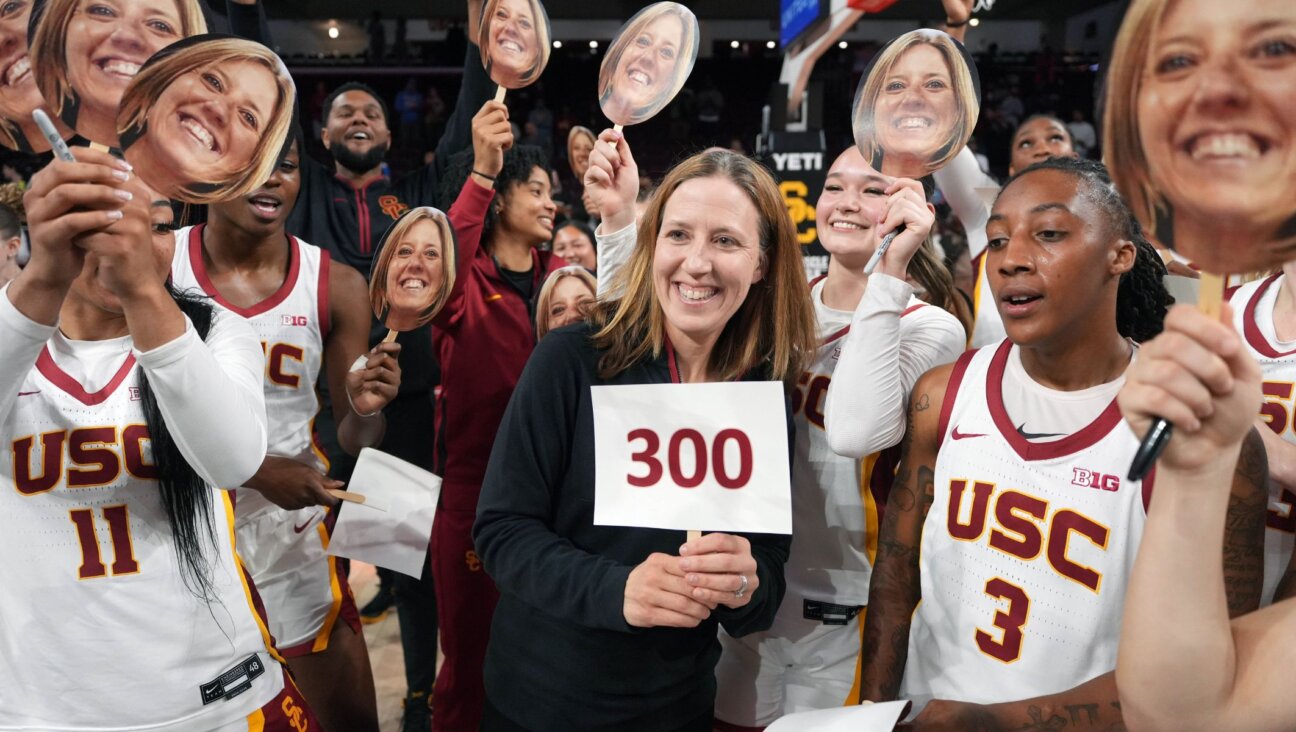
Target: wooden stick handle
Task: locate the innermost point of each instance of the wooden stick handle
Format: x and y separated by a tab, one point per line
342	495
618	128
391	336
499	94
1210	294
694	534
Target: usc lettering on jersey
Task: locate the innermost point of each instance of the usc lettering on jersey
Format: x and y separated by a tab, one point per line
286	551
104	631
1026	550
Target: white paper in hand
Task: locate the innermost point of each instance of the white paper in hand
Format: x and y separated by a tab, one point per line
864	718
395	538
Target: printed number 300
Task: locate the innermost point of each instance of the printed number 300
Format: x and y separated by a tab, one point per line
652	443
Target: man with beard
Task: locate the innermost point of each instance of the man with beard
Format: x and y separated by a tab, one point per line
347	207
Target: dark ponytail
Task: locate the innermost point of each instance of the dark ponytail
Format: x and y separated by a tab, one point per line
1142	299
185	495
928	270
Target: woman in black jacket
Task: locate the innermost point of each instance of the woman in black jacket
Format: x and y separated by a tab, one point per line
604	627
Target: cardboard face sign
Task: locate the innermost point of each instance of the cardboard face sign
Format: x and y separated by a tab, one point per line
514	39
19	96
711	457
1199	130
206	119
415	269
81	65
648	63
580	143
917	104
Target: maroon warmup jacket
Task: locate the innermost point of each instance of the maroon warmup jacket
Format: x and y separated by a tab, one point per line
483	337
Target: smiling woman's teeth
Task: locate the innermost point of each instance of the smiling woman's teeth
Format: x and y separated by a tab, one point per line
696	293
846	226
121	68
638	77
414	285
1229	145
199	132
266	205
910	123
511	46
20	67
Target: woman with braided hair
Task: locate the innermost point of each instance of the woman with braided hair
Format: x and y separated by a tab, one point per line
1011	502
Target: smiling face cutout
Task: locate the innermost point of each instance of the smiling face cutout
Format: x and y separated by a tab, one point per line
917	104
1200	132
514	39
206	119
84	54
19	95
414	270
648	63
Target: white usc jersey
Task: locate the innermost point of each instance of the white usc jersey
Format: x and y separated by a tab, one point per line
1253	306
835	501
1027	549
292	325
286	551
97	629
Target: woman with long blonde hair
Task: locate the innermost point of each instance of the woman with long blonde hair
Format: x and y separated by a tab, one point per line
611	627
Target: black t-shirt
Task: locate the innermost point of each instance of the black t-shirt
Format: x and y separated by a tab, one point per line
523	282
561	655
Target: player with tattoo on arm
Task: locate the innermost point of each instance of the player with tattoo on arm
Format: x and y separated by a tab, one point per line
1184	665
1011	517
1264	314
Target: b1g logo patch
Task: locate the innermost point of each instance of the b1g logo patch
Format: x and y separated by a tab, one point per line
1090	479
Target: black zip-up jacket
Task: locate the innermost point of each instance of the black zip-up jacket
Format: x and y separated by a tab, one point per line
561	655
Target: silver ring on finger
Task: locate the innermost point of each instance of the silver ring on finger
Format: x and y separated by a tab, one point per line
742	588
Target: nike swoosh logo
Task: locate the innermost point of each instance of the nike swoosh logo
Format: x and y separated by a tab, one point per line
299	529
28	393
963	436
1021	430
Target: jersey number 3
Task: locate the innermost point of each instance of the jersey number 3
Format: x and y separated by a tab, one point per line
1010	621
118	520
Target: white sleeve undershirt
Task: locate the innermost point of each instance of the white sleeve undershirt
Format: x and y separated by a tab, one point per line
958	182
614	250
881	358
21	341
210	394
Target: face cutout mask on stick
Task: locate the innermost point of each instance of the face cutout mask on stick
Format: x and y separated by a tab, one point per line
206	119
414	270
580	143
1200	128
917	104
515	42
648	63
84	53
19	95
